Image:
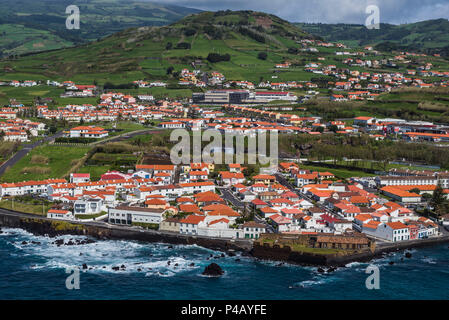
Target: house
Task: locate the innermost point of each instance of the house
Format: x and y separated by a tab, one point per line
264	178
170	224
87	132
230	178
364	121
217	228
87	205
79	177
393	231
189	225
281	223
252	230
235	167
60	214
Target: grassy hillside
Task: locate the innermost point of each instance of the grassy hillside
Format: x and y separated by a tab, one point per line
29	25
430	36
147	52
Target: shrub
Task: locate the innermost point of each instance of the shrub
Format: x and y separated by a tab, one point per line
262	56
38	159
216	57
35	170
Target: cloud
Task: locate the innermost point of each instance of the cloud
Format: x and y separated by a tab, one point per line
330	11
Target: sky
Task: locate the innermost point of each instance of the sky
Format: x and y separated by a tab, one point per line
330	11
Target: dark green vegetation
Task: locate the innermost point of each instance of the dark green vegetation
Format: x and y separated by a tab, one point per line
336	147
7	149
149	52
30	25
430	104
430	36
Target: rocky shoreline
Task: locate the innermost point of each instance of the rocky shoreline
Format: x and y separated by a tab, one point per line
52	228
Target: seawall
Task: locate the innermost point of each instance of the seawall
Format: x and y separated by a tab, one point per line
43	226
286	254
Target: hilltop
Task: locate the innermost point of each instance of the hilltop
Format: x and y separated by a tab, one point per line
147	52
430	36
30	26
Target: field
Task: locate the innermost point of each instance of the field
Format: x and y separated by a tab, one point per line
38	209
57	163
31	26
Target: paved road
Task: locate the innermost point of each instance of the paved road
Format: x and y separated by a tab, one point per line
228	196
129	135
25	150
281	179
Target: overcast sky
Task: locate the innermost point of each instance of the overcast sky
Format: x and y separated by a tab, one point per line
330	11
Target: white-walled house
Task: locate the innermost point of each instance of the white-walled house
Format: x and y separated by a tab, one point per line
60	214
88	206
393	231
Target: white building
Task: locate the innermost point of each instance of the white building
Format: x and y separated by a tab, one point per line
129	215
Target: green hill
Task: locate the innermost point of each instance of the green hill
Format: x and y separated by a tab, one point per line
30	25
147	52
430	36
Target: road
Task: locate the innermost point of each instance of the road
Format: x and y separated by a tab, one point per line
131	134
281	179
229	196
25	150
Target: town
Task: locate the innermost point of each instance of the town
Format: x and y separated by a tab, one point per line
383	201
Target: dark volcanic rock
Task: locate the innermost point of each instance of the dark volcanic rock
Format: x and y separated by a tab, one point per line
320	270
231	254
84	266
191	265
331	269
213	270
237	260
408	255
122	266
115	268
24	242
391	263
59	242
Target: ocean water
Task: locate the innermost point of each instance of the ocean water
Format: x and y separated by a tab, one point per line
38	271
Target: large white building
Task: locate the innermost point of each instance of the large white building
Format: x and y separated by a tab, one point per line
129	215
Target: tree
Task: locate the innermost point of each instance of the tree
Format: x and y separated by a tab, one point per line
438	201
170	70
415	190
216	57
262	56
168	46
53	129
